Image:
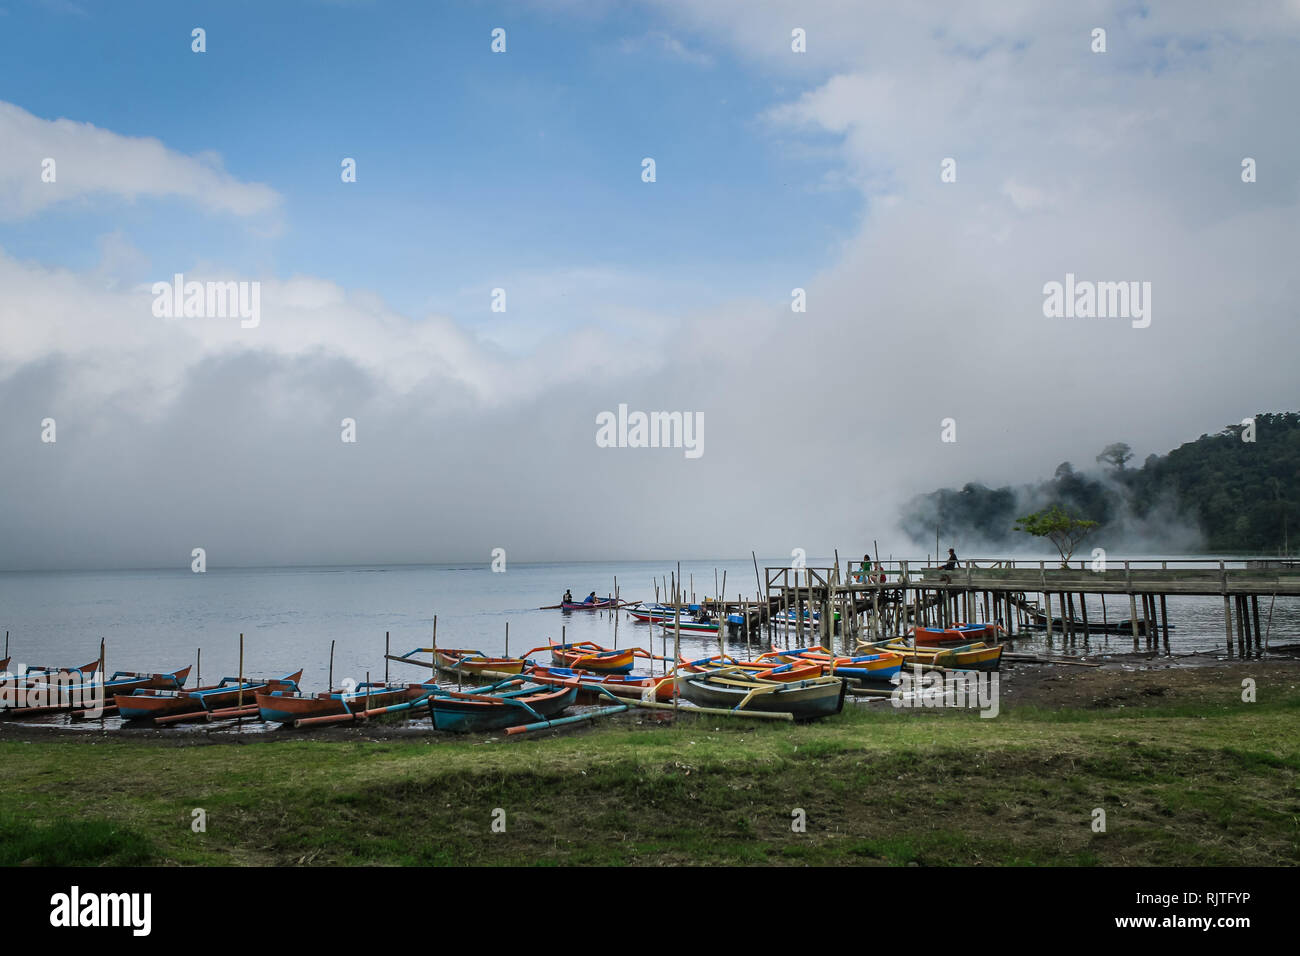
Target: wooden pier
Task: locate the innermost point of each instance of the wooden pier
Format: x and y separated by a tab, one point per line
1020	596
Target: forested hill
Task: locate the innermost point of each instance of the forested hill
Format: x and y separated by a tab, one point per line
1218	493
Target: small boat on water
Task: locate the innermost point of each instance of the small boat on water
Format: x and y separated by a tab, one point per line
600	604
735	690
507	703
148	704
693	618
39	673
588	656
956	634
287	706
473	663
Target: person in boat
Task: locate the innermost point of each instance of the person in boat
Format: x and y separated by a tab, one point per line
568	596
591	598
952	561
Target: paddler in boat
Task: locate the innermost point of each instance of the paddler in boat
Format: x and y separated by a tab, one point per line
591	598
568	596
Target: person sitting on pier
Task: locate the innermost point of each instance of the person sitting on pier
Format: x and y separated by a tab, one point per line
568	596
952	561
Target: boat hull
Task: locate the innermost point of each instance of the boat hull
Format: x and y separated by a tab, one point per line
806	700
470	713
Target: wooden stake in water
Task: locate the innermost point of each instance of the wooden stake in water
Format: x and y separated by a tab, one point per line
240	720
198	665
329	686
386	652
507	638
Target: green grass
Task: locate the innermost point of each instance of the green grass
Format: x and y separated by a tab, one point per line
1180	785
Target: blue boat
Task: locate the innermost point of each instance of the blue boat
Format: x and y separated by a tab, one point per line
507	703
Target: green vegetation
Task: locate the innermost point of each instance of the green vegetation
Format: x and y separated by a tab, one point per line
1063	529
1198	780
1241	495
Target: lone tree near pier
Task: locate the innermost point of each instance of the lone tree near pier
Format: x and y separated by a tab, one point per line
1063	528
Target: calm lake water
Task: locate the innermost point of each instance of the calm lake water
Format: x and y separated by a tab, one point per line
156	620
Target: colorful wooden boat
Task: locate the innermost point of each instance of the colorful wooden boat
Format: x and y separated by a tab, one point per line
505	704
47	694
149	704
731	690
286	706
624	685
874	666
603	604
667	617
978	656
473	663
39	673
783	671
957	634
587	656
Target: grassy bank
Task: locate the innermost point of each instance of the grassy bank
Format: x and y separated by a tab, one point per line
1211	781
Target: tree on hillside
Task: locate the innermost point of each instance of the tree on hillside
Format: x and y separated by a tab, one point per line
1117	454
1063	528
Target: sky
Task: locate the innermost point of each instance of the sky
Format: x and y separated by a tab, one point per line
775	169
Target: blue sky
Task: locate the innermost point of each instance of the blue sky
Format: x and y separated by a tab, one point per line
522	170
473	167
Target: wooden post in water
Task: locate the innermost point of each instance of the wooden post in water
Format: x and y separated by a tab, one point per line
1047	610
507	638
433	651
1254	613
1164	621
1083	610
1227	620
329	684
198	664
1133	617
386	652
240	697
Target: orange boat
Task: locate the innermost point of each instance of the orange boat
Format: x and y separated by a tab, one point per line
587	656
957	634
453	660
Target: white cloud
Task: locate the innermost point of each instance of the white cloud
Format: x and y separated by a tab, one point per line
93	162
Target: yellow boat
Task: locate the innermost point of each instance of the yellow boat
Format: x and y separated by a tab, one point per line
978	656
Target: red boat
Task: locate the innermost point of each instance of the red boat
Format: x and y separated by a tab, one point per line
957	634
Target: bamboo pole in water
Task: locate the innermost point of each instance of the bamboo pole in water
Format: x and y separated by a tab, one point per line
240	697
330	685
386	645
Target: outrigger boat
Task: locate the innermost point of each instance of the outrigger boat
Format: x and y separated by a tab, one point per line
506	703
768	669
39	673
623	685
600	604
956	634
977	656
65	696
667	617
876	666
154	704
474	663
732	689
288	706
588	656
